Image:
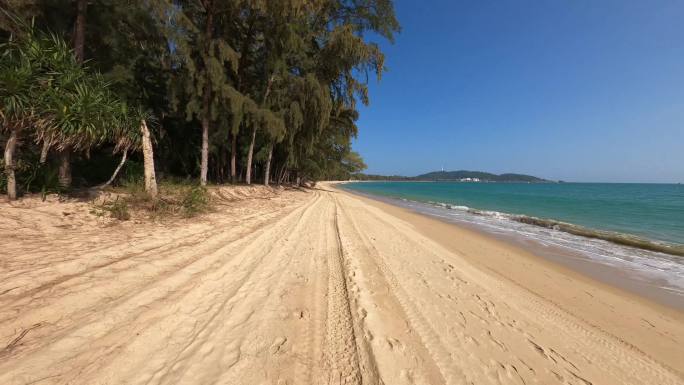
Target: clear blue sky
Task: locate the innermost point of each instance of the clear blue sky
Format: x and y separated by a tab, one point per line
579	90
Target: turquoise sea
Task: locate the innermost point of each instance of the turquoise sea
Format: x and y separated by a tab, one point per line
653	211
637	229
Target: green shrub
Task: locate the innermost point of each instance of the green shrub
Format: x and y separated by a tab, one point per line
184	199
32	176
118	209
194	200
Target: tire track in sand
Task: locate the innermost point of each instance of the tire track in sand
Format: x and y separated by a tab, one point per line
428	336
120	285
341	357
86	347
581	342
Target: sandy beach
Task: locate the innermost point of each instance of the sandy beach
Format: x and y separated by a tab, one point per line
308	286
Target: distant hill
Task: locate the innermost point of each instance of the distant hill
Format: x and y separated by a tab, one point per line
482	176
456	176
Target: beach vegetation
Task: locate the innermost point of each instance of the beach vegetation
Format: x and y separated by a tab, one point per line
118	209
215	92
54	103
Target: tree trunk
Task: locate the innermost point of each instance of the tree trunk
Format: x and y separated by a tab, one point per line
267	171
10	147
44	152
79	30
233	159
204	164
148	160
281	174
206	97
254	130
250	153
64	175
116	171
79	51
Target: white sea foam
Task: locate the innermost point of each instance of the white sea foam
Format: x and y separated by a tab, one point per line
643	264
464	208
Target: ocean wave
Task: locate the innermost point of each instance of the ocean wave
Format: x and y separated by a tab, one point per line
643	260
613	237
442	204
552	224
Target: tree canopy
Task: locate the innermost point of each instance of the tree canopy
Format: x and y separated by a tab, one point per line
239	90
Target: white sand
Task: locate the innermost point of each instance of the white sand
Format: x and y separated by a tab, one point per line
316	287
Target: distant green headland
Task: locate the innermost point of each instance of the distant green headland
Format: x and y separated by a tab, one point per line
455	176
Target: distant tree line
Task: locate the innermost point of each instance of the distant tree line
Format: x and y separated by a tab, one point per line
362	176
461	175
220	91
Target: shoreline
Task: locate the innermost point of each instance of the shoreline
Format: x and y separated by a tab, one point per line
626	239
648	288
615	310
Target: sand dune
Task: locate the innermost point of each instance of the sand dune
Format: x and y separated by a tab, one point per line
304	287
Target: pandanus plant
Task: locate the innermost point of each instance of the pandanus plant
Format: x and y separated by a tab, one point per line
25	71
130	132
48	97
86	114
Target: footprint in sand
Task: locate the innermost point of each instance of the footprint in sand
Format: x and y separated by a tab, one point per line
277	344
